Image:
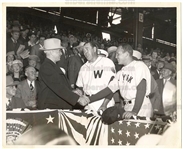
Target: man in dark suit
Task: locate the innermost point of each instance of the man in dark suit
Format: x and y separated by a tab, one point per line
27	89
167	89
55	91
63	62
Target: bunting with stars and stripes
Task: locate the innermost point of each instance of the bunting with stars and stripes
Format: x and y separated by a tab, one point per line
74	123
19	122
85	127
128	132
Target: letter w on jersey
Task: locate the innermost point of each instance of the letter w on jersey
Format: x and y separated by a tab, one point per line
98	73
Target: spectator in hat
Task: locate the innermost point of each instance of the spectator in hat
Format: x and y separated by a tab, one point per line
12	43
148	61
34	61
173	62
167	89
27	89
75	63
55	91
16	70
36	49
11	101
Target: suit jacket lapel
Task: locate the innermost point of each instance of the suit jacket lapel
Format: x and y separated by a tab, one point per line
79	59
161	85
26	87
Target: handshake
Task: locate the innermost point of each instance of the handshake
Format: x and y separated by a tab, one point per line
83	100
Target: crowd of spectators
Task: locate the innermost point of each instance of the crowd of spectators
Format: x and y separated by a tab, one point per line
24	59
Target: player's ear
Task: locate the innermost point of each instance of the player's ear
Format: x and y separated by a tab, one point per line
95	49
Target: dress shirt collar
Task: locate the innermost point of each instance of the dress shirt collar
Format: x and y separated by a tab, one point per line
29	82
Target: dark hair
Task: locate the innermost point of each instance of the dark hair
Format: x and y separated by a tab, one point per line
13	57
127	48
93	44
42	35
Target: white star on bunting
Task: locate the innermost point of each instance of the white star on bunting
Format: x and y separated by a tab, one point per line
120	142
128	123
127	144
120	132
128	133
50	119
112	130
120	122
136	135
146	126
157	126
112	140
137	125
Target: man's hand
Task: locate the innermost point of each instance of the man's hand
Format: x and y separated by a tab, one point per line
78	91
83	100
101	110
128	114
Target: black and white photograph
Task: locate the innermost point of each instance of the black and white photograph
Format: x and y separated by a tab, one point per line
106	75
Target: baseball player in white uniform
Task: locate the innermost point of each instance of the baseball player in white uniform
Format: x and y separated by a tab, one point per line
95	75
134	83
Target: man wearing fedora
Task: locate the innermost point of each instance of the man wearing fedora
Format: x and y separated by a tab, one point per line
55	90
167	89
11	101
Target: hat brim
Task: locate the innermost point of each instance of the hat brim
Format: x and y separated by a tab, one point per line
44	49
15	31
169	69
14	83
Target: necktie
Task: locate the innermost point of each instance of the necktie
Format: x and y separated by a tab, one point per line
31	86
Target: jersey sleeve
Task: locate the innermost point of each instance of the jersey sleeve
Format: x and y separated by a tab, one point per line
143	72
